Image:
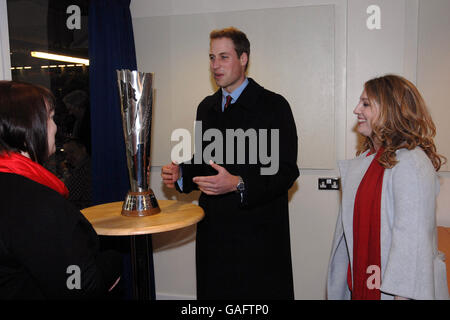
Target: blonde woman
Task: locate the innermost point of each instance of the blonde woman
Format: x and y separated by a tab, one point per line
385	243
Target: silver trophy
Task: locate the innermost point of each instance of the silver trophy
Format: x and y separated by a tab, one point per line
136	100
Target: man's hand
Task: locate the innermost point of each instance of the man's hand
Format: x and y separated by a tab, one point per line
221	183
170	174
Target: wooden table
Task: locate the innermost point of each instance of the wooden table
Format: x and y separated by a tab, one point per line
108	221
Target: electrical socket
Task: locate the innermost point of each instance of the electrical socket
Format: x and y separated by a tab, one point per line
329	184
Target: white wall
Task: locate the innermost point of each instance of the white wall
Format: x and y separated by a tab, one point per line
433	81
359	54
176	51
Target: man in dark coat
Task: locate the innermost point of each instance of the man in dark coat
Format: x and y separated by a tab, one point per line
243	243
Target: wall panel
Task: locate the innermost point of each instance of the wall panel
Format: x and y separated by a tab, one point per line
292	53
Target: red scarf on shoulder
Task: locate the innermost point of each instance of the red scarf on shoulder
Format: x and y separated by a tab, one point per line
21	165
366	235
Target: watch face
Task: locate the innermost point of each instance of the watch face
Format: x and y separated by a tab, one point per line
240	186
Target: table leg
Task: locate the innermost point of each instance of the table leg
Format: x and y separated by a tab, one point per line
142	267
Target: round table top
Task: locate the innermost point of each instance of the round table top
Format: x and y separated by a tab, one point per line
107	219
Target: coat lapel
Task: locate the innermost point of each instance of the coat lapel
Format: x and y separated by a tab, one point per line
249	97
352	172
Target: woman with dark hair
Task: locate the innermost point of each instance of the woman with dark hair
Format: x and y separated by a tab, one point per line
48	250
385	243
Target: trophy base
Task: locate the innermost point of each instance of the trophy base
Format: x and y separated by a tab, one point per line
140	204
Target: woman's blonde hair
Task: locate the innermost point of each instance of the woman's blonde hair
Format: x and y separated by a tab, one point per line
403	120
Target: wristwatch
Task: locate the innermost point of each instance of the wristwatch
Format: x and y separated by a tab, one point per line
240	188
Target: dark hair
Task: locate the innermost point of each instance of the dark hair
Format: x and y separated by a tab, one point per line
23	119
76	98
240	41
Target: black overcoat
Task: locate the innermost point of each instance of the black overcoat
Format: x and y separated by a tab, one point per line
43	239
243	247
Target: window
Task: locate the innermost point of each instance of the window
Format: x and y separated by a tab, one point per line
58	27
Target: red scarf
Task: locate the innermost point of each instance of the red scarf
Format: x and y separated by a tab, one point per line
21	165
366	234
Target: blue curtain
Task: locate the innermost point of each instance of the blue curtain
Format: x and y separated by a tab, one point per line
111	47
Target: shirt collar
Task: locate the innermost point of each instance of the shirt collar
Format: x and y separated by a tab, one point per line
235	94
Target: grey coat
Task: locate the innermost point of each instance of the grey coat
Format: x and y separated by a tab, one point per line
411	265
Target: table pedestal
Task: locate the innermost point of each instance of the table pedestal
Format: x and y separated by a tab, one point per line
142	267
